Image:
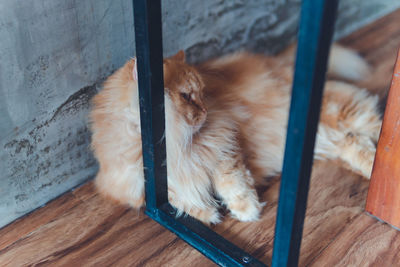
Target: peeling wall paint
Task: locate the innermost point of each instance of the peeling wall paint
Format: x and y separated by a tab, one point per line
54	55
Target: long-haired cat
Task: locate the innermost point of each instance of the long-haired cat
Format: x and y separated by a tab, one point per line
224	117
202	145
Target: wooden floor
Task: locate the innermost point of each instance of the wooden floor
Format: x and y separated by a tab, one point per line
82	229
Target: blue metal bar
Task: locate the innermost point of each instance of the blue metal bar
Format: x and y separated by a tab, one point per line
315	34
206	241
147	15
148	32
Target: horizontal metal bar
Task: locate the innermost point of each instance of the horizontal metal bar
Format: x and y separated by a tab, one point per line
199	236
148	36
315	34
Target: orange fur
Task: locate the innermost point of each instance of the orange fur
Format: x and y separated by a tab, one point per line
225	124
202	147
258	88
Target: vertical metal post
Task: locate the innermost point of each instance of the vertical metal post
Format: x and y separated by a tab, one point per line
148	32
315	34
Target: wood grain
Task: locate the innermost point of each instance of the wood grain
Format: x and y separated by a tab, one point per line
384	192
364	242
80	228
378	43
34	220
96	232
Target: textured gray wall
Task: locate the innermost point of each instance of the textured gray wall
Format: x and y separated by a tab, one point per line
54	55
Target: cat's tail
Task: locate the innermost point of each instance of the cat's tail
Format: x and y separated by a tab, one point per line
347	64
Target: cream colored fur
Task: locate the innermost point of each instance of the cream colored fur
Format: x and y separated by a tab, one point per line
347	64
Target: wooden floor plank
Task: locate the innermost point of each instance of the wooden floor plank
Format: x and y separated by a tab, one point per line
82	228
32	221
95	232
72	230
365	242
378	43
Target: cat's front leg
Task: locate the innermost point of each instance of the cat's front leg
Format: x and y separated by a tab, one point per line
191	194
235	185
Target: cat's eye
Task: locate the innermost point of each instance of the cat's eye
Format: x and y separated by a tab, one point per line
185	96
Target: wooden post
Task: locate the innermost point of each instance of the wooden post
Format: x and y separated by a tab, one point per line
383	199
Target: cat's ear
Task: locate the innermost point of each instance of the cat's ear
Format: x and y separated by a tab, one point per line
180	56
134	71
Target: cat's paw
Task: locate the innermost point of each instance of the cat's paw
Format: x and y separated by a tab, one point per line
246	210
136	202
207	216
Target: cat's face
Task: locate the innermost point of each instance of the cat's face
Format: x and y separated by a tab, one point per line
184	86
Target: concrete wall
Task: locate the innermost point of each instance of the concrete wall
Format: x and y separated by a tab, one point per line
54	54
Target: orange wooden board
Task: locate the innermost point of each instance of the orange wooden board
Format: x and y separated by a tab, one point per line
384	192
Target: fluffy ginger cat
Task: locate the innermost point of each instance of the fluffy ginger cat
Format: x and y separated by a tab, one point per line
225	128
202	147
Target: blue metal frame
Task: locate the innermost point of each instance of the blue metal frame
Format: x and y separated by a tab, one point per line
149	56
316	27
314	39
